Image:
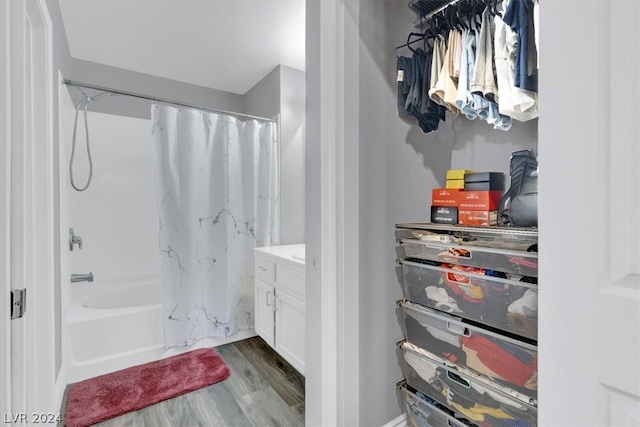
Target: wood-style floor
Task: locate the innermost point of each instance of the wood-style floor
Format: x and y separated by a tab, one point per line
263	390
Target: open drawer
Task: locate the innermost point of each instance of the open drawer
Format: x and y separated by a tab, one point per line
462	393
471	293
498	256
423	413
498	358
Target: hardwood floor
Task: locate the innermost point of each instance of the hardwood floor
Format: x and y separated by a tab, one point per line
263	390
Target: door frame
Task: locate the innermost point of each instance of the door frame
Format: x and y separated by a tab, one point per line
332	214
5	209
27	202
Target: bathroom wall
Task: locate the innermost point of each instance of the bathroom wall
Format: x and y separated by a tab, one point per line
282	92
116	216
398	167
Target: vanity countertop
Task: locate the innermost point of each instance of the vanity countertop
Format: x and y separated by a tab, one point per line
291	253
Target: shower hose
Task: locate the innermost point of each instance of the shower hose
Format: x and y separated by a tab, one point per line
73	147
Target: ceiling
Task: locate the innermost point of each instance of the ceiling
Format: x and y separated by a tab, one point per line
228	45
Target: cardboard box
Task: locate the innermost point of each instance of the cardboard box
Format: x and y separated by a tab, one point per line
444	215
479	200
458	173
467	217
455	183
445	197
484	181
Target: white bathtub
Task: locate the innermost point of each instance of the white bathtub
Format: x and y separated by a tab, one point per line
118	328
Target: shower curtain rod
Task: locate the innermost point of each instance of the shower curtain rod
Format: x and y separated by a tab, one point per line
164	100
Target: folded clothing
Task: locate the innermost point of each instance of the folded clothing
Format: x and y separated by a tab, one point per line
505	360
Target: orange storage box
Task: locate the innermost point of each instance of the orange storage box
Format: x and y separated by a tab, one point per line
446	197
467	217
479	200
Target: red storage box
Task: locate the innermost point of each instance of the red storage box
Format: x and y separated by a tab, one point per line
479	200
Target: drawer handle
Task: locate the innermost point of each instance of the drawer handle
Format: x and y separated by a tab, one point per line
458	329
263	268
458	379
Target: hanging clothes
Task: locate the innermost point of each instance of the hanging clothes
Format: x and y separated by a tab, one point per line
519	16
518	103
483	69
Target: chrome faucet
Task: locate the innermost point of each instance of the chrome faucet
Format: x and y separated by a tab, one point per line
82	277
74	240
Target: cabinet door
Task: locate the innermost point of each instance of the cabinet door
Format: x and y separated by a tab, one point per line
264	311
290	334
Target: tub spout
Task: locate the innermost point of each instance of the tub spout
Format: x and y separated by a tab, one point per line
82	277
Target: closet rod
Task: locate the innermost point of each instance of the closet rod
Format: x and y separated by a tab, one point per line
423	19
163	100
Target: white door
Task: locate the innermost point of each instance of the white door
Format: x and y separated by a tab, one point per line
264	311
27	208
589	144
290	332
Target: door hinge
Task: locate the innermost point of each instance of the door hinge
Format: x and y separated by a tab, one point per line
18	303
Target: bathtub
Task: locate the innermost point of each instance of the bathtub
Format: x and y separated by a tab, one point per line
120	327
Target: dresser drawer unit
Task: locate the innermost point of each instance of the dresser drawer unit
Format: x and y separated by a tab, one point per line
421	413
500	359
460	392
474	294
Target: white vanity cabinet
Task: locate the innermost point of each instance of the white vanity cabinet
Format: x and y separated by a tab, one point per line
280	301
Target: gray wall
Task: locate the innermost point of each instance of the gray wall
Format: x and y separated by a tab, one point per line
399	165
263	99
282	92
292	171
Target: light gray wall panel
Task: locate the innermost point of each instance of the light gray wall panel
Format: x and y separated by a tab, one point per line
292	180
398	168
263	99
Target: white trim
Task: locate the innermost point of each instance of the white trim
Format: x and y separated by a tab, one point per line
330	139
5	207
399	421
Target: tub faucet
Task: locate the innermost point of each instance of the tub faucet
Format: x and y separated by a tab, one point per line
82	277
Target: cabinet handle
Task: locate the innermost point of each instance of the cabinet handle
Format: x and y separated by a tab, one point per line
262	268
275	302
268	304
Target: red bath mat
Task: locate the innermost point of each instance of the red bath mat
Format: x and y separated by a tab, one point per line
107	396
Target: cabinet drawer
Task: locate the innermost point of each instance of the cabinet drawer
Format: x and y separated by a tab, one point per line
421	413
290	279
501	257
470	293
480	403
503	360
265	270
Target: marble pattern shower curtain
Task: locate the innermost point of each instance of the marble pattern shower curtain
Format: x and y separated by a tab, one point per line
216	190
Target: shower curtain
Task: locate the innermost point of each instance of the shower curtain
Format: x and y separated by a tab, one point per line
217	197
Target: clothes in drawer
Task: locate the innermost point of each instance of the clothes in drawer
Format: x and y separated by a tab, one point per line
496	255
475	294
425	412
480	403
505	361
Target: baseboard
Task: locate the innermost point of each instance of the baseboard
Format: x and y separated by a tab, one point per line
399	421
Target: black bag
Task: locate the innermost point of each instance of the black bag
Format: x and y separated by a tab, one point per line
519	205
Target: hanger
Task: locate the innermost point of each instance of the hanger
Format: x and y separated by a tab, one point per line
410	42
